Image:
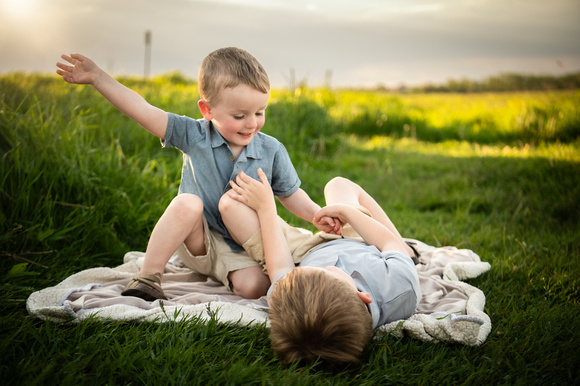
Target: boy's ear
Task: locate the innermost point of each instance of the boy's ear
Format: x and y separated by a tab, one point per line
365	297
205	109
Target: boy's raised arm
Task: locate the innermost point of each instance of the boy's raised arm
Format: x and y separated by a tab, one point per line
258	196
83	70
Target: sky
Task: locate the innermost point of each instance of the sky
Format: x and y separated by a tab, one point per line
340	43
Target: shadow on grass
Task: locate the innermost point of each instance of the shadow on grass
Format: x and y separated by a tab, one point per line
90	201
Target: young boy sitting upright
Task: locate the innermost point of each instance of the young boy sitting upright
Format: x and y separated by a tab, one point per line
234	91
343	288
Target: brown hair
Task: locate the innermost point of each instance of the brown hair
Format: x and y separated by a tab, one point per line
315	315
230	67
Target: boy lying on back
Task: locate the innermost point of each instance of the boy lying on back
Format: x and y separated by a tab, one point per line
344	287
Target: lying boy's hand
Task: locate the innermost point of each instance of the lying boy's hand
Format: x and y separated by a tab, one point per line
255	194
81	70
329	225
334	211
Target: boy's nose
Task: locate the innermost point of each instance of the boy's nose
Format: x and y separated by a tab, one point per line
251	122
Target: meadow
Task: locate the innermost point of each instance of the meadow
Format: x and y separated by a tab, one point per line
498	173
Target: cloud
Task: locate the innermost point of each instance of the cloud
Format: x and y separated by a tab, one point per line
361	42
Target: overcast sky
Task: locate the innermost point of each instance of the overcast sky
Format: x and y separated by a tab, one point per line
357	42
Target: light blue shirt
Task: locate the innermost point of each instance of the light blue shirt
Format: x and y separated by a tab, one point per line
389	277
209	164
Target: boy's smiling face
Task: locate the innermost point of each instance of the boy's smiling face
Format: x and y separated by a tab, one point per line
238	115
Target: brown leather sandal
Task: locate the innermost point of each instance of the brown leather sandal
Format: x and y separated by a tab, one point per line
145	286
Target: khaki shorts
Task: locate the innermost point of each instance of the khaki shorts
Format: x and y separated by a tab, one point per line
220	259
300	242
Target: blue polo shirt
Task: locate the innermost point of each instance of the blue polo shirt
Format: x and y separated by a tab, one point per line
209	164
389	277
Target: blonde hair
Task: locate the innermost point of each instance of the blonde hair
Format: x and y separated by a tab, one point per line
230	67
315	315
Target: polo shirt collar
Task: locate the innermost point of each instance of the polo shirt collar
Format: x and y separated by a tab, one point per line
253	150
216	138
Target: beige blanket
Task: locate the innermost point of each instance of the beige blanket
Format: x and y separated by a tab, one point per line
450	309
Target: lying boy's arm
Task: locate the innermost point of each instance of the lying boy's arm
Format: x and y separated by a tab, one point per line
372	231
258	196
83	70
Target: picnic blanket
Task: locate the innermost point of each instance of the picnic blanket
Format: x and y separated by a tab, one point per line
450	309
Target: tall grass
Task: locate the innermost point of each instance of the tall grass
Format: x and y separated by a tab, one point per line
80	185
510	118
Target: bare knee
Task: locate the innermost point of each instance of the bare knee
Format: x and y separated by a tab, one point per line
187	206
240	220
338	183
227	205
249	283
253	290
185	210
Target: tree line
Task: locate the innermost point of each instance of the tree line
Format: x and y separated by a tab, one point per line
503	82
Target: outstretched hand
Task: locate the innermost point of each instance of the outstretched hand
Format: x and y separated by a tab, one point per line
255	194
81	69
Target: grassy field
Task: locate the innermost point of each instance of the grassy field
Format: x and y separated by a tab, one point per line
80	185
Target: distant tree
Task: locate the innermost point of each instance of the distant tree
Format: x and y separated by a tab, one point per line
504	82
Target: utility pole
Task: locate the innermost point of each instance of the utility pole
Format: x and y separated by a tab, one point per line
147	67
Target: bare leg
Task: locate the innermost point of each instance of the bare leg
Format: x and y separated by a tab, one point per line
181	222
342	190
242	222
249	283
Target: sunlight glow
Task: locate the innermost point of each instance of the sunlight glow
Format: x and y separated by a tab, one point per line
344	8
17	8
463	149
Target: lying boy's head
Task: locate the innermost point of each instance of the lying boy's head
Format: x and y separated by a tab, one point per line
315	315
230	67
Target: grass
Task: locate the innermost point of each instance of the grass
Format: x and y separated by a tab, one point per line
80	185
